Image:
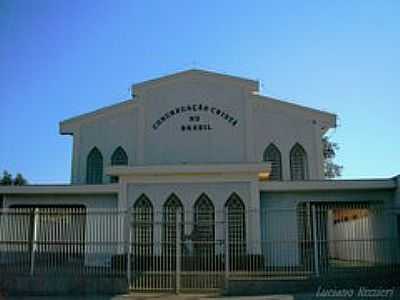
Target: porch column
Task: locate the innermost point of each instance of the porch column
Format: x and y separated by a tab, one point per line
253	228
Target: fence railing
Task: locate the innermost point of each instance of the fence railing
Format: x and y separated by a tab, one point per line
175	249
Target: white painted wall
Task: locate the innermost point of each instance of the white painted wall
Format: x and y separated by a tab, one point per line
280	238
284	129
106	133
168	144
260	120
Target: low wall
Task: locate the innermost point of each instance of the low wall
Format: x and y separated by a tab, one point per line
61	285
355	283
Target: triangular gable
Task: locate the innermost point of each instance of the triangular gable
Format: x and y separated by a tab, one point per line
248	84
328	120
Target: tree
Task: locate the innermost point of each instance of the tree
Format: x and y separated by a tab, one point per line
19	180
6	179
331	169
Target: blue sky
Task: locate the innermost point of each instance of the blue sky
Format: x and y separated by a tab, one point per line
63	58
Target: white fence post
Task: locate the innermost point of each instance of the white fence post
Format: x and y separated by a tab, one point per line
178	251
34	223
316	254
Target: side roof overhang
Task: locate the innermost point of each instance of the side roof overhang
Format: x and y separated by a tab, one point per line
66	189
329	185
325	119
69	126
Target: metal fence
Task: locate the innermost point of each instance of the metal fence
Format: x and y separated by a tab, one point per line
176	250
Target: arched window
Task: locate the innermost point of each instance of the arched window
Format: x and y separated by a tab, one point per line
171	207
204	226
298	163
273	156
142	226
118	158
235	209
94	167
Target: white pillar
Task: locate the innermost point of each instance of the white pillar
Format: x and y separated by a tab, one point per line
253	228
124	218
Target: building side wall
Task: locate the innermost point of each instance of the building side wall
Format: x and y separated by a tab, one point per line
106	133
284	130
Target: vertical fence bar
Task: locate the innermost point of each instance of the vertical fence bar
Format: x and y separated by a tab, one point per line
314	227
128	249
226	237
178	251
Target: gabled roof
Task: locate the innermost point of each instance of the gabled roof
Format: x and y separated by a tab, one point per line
328	120
253	85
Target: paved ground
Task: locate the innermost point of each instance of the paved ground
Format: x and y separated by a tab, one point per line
161	296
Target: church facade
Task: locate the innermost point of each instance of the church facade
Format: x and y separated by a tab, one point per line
203	142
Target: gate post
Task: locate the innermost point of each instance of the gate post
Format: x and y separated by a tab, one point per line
316	254
178	251
33	238
227	258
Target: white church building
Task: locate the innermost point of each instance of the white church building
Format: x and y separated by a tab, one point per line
205	143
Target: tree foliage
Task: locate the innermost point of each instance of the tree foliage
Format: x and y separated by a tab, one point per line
7	179
19	180
331	169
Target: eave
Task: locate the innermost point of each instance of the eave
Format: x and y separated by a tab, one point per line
60	189
328	185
